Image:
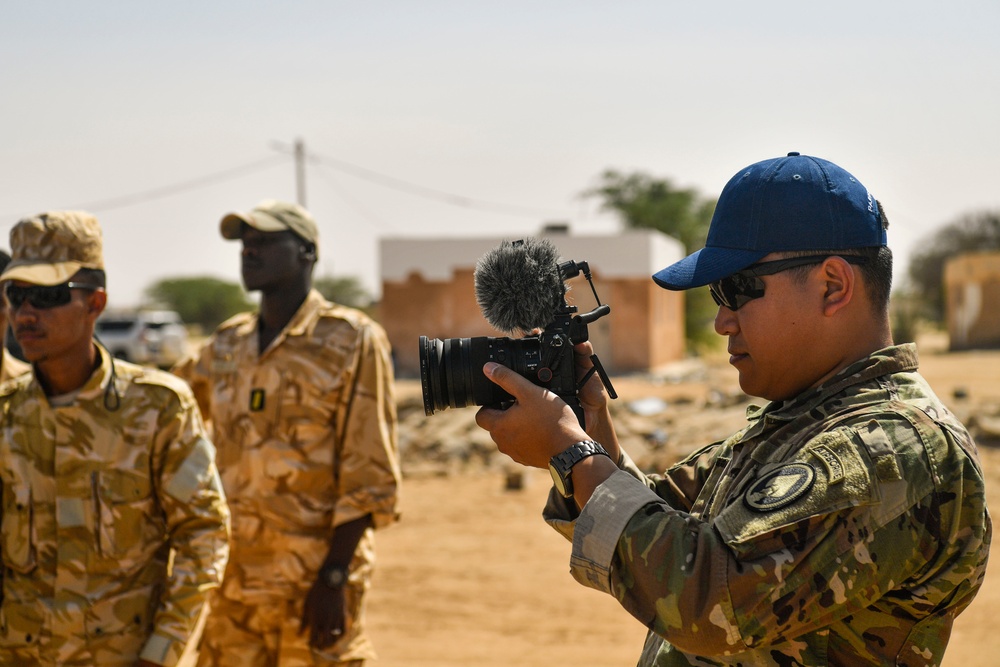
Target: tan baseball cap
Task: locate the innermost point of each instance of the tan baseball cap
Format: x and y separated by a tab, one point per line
49	248
272	215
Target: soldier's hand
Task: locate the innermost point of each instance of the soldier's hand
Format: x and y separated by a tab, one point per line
536	427
323	615
592	396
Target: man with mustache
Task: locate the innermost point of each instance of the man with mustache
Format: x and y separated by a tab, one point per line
114	523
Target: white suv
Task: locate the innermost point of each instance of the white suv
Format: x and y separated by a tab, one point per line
155	337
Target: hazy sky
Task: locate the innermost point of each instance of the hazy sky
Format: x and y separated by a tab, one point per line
513	107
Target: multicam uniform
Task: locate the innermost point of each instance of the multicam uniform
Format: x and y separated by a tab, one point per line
306	434
96	501
845	527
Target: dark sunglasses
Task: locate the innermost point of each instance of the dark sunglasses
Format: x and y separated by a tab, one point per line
736	290
43	297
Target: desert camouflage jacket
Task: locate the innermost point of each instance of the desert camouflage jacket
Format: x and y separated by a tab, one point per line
845	527
96	501
306	434
11	366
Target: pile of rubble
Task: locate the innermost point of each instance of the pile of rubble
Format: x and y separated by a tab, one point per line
654	430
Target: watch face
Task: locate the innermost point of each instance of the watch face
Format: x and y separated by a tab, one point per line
560	484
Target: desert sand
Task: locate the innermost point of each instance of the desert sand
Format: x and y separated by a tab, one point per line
472	577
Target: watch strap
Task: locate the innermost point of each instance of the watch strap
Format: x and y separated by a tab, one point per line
561	465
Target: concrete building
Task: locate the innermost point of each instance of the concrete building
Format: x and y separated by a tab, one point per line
972	300
428	290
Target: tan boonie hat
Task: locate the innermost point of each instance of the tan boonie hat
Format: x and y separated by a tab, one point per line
49	248
272	215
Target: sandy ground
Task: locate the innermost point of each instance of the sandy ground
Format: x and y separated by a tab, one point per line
473	577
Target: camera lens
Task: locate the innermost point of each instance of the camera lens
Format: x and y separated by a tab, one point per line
451	371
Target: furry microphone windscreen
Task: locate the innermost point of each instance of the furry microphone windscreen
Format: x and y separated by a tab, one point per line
518	285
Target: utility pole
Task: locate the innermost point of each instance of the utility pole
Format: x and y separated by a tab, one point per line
300	172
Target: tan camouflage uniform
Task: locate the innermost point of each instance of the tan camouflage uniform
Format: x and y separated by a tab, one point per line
845	527
95	503
306	434
11	366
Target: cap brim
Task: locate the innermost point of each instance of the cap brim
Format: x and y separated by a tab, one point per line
41	274
705	266
231	225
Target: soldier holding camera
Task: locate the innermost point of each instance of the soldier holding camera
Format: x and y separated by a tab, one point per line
846	523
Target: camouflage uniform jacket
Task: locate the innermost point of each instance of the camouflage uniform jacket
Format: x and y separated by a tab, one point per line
11	366
847	526
306	433
95	503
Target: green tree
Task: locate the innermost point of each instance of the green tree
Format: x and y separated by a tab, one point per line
203	300
645	202
346	290
972	232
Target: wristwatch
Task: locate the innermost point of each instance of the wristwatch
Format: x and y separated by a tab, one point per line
333	576
561	465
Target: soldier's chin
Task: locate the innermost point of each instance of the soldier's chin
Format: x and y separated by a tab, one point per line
31	355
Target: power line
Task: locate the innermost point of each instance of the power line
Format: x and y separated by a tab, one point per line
102	205
430	193
384	180
350	200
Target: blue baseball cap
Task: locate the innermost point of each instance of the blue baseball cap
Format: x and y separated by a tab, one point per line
796	202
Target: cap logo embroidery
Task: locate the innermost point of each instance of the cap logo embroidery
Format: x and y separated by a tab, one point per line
780	487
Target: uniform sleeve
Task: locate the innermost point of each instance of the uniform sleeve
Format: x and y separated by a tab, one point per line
678	487
197	517
368	474
194	369
788	557
681	484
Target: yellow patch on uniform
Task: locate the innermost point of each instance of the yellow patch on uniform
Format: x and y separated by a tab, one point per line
256	400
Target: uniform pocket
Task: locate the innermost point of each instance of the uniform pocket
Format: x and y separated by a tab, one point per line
124	511
18	528
117	628
20	632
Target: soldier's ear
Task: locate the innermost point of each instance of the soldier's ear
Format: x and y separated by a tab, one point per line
96	302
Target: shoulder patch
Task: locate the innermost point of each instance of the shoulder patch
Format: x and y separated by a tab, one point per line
780	487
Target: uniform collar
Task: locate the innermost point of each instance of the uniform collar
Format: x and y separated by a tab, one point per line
95	386
301	323
889	360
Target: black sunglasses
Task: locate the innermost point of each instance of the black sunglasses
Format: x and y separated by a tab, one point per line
736	290
43	297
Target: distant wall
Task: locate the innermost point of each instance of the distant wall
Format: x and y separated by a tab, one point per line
428	289
972	299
